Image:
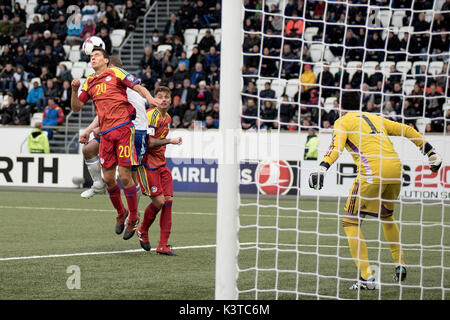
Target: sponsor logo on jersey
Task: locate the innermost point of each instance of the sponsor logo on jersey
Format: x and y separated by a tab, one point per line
274	177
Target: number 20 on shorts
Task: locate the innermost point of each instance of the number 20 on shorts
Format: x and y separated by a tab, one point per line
124	151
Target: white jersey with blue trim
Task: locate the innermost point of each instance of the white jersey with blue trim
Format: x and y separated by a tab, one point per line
138	102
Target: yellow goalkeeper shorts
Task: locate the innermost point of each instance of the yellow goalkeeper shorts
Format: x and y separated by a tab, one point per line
370	199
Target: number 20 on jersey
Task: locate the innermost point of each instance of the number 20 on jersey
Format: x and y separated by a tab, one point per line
101	88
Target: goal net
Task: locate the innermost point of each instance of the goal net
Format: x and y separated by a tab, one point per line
299	58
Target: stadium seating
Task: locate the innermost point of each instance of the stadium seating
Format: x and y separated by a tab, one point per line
386	66
397	18
164	47
404	66
310	32
416	67
316	51
384	16
408	86
278	85
435	67
77	72
74	55
291	88
369	67
422	123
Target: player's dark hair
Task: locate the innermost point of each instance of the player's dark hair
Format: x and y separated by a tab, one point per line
350	100
163	89
105	54
116	61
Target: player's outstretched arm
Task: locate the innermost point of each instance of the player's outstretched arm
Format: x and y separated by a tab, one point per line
399	129
338	142
75	103
146	95
153	143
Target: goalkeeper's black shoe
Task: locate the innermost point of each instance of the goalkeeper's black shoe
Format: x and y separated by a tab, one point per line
400	274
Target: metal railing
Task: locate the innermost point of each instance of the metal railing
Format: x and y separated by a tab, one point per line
155	4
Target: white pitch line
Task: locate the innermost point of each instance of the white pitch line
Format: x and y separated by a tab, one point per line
437	223
97	253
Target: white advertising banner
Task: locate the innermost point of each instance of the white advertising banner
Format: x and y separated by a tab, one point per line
18	168
200	149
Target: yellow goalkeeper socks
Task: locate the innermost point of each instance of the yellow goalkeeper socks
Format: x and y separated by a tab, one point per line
392	235
358	247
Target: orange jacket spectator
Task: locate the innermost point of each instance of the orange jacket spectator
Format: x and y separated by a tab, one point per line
295	27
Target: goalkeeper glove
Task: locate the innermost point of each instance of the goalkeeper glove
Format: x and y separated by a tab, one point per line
316	178
435	161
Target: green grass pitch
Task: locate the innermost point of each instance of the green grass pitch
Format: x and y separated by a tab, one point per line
284	244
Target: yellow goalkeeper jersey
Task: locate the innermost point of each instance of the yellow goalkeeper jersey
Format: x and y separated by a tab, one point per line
366	137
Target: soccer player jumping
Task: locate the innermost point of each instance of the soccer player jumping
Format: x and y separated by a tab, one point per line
107	88
155	177
378	182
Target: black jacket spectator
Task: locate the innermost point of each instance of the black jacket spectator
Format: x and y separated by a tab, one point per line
18	27
206	42
186	14
130	16
36	26
6	57
434	102
7	112
20	57
104	35
173	27
60	28
22	115
20	92
180	74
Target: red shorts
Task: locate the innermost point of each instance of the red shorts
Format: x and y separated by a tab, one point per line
117	147
156	182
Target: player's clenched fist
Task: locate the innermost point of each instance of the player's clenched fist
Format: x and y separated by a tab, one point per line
84	137
176	140
76	83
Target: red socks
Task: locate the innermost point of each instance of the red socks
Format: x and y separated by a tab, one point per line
114	196
131	196
149	216
165	222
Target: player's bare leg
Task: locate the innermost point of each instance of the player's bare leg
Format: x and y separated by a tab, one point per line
129	188
109	176
165	223
90	155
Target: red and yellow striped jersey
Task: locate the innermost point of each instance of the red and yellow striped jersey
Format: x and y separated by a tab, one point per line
108	92
158	128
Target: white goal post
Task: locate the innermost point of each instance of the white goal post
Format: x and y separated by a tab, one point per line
228	166
276	237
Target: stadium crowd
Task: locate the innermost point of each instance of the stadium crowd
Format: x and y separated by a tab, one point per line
192	70
31	76
390	72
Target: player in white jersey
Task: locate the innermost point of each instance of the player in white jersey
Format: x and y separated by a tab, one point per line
91	147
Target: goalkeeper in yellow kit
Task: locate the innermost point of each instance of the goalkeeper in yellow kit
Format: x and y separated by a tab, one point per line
378	182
